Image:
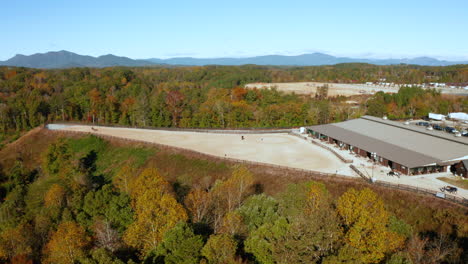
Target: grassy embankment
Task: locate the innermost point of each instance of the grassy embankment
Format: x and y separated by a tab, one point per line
462	183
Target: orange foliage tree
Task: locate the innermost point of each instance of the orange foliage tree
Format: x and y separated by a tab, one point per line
198	203
67	244
55	196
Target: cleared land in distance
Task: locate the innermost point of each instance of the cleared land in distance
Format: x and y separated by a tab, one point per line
336	89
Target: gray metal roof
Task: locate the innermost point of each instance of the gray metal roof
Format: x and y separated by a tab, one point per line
405	144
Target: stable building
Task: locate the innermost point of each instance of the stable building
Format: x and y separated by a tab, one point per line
461	168
405	148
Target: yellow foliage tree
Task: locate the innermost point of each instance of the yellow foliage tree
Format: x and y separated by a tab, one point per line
228	195
317	197
54	196
67	244
198	203
148	180
241	181
156	211
232	223
123	178
367	236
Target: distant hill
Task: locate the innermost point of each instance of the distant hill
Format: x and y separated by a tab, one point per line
66	59
313	59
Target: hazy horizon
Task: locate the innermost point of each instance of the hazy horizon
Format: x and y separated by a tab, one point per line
358	56
210	29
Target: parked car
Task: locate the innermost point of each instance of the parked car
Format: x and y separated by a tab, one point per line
422	124
451	130
437	127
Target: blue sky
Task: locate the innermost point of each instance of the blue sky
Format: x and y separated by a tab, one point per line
216	28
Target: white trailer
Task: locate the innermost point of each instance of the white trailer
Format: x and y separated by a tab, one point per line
436	116
459	116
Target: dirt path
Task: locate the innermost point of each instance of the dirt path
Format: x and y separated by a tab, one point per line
278	149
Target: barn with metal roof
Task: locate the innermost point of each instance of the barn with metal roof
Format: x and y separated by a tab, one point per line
405	148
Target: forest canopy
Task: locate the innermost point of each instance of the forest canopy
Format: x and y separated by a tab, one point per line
89	201
212	96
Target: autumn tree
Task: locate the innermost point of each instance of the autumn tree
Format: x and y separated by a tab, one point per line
55	196
198	204
316	198
128	111
16	241
428	250
67	244
96	103
123	177
156	211
175	103
232	224
220	249
367	237
228	195
106	236
238	93
235	188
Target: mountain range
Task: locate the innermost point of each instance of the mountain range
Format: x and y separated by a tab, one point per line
66	59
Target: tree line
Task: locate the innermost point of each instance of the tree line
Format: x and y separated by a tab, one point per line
208	97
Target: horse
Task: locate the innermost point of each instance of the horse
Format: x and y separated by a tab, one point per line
393	173
449	189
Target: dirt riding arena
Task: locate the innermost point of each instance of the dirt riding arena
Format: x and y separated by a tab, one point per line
272	148
279	149
336	89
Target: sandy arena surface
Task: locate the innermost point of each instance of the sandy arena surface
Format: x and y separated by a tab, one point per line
278	149
338	88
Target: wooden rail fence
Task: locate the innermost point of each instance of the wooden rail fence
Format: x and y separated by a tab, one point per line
345	160
199	130
356	170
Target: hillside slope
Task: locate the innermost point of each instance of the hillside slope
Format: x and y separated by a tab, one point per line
54	183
